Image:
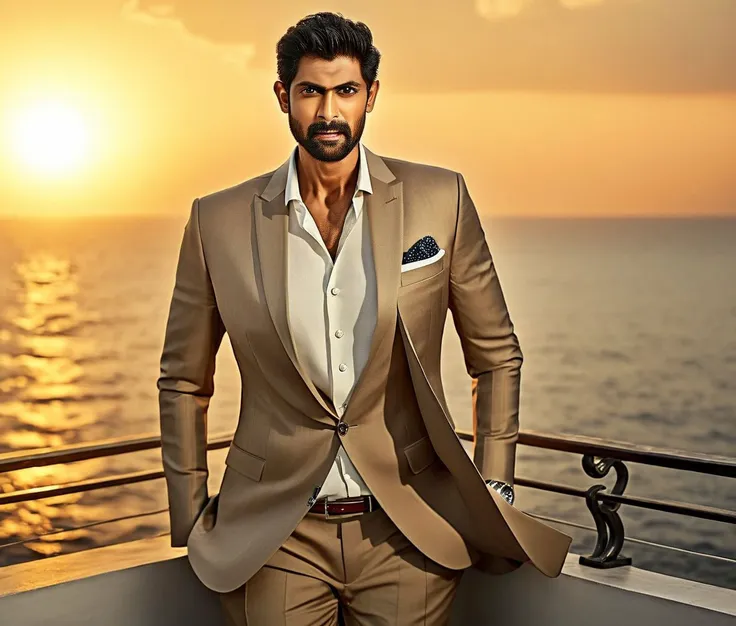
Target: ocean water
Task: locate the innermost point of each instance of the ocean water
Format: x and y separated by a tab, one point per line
628	329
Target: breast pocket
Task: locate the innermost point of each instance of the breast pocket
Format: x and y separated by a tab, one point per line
419	270
423	309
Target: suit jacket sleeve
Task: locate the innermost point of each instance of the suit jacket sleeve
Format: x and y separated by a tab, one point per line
193	335
490	346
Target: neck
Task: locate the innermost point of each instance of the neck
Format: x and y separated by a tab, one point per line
327	182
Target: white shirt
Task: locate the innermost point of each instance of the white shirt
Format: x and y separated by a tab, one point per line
332	308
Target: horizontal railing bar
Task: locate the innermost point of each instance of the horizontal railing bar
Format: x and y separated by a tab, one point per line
712	464
667	506
689	510
73	452
60	531
644	542
71	529
701	511
91	484
551	487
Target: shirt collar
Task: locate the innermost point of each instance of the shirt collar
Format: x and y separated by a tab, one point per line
363	184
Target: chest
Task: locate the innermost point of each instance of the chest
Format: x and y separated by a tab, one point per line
339	279
329	223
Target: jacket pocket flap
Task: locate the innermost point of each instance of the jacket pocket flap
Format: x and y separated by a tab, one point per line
420	454
245	462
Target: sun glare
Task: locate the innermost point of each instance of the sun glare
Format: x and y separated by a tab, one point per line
50	137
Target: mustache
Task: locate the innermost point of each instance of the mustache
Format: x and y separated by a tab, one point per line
322	128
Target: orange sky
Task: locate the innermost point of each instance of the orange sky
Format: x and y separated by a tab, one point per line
548	107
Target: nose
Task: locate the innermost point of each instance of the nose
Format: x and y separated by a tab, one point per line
328	107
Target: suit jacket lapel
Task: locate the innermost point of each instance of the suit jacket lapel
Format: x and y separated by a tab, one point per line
385	213
272	228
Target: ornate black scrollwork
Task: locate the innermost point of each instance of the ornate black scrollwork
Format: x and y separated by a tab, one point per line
607	521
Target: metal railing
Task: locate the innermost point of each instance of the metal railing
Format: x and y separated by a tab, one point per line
598	457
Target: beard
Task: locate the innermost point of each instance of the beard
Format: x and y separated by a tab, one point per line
327	151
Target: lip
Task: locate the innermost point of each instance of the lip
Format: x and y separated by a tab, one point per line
330	136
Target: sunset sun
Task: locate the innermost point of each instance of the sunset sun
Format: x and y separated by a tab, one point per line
50	137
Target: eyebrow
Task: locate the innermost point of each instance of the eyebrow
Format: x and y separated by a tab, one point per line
322	88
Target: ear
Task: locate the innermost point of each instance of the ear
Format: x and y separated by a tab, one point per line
372	95
282	96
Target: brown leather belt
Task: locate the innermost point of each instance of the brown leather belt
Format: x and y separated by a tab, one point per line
345	506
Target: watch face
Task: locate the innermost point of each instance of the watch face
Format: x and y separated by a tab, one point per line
508	493
505	491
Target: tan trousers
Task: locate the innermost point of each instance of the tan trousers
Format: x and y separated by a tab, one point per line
355	570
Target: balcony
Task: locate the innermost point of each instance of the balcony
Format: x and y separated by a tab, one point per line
148	582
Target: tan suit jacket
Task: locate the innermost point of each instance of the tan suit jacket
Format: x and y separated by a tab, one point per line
231	277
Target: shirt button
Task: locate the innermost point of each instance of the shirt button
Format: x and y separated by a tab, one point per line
342	367
339	333
334	291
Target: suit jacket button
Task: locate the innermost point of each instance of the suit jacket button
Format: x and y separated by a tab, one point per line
342	429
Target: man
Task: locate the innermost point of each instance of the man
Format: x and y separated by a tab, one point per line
346	489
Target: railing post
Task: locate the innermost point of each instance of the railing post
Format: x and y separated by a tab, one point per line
610	528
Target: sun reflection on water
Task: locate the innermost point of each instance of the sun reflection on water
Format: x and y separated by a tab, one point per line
42	350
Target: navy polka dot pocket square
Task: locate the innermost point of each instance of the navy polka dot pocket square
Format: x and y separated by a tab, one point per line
423	252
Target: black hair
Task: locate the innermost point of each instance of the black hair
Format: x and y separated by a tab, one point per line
326	35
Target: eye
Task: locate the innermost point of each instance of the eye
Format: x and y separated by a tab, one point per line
353	88
306	88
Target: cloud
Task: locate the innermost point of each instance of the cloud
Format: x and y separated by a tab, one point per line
591	46
237	51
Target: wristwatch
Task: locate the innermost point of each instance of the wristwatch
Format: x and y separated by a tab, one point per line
506	490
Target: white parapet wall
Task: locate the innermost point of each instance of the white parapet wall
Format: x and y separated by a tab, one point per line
148	583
